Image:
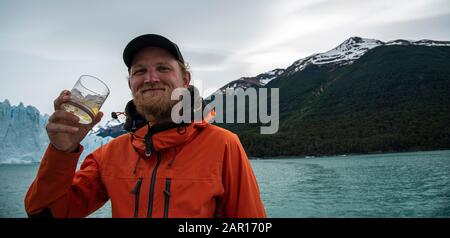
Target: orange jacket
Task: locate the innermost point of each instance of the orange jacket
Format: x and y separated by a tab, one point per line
196	171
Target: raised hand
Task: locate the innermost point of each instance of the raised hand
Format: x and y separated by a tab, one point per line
63	129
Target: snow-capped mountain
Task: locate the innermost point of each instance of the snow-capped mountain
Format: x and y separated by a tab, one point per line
346	53
23	138
419	42
356	98
257	81
351	50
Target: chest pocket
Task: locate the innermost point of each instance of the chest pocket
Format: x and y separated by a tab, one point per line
191	197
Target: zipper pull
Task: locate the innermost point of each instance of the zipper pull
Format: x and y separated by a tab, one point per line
148	144
167	190
167	198
137	187
167	193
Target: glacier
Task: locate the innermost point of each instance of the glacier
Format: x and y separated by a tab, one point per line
23	138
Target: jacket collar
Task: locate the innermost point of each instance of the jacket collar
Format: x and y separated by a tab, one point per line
168	138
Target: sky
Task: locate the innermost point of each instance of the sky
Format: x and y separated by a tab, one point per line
46	45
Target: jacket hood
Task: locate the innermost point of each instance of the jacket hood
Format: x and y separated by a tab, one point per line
134	120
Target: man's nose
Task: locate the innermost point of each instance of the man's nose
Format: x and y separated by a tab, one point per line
152	77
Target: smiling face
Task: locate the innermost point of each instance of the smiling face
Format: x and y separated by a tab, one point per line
154	74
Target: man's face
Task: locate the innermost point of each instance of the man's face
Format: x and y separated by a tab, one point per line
154	74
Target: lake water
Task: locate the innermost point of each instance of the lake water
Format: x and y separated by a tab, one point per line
382	185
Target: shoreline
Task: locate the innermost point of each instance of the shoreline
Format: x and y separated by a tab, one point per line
291	156
341	155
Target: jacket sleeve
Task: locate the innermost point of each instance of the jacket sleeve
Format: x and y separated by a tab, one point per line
58	189
242	197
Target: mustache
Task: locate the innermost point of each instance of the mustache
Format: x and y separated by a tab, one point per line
152	86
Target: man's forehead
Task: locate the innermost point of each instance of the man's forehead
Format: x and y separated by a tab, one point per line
153	55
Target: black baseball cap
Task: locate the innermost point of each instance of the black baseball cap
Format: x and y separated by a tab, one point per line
150	40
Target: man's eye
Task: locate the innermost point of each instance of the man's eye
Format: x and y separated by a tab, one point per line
139	72
163	69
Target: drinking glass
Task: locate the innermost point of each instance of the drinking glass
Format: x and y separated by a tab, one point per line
86	98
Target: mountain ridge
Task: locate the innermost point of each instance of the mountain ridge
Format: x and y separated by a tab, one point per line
345	53
393	98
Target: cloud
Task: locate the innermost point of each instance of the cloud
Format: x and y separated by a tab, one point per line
56	41
434	28
306	27
202	59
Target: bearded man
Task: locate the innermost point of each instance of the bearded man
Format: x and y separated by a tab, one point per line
158	169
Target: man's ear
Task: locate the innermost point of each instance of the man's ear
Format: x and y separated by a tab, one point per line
129	85
187	79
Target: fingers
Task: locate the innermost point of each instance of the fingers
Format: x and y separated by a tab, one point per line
60	128
63	97
62	121
63	116
96	120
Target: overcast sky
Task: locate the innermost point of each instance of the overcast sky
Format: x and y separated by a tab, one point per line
46	45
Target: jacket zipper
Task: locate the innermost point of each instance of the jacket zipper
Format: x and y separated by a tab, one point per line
152	186
167	198
136	190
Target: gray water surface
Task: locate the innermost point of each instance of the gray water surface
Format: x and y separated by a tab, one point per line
382	185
